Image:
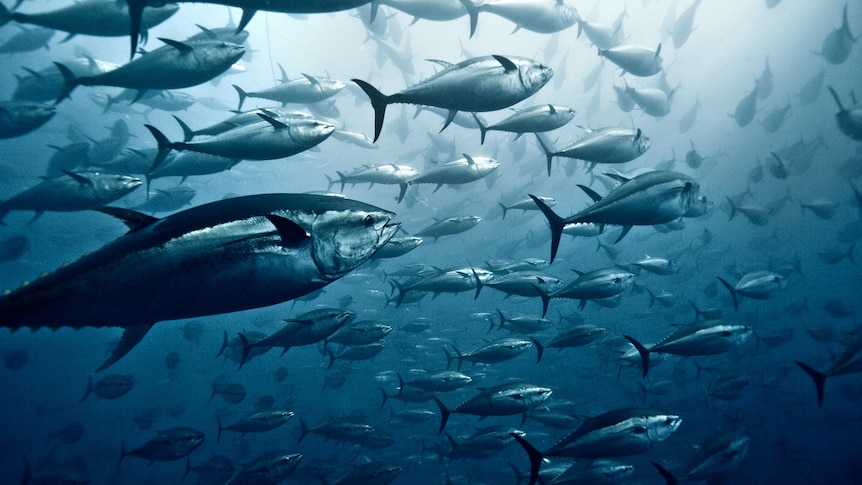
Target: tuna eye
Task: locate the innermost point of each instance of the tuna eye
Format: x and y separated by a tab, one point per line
369	220
668	421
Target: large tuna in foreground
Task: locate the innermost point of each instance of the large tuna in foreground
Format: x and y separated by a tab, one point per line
225	256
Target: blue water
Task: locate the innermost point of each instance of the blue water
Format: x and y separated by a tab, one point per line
792	440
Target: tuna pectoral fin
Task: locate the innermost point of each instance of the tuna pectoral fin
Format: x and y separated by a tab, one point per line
131	337
534	455
643	351
540	349
379	101
732	291
819	379
136	13
444	414
668	476
625	231
134	220
449	118
70	82
401	192
556	223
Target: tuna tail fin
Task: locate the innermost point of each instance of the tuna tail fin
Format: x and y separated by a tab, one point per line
5	15
643	351
70	82
188	467
819	379
479	286
505	209
651	297
303	431
733	209
546	299
401	292
540	349
131	336
165	147
341	178
220	429
732	291
473	12
385	397
188	134
449	358
89	389
547	150
246	349
668	476
836	98
379	101
534	455
556	222
483	130
444	414
242	95
459	356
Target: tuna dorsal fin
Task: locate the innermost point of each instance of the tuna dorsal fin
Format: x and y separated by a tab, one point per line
440	62
590	192
658	50
638	135
134	220
278	125
470	160
292	235
78	177
507	64
619	178
552	109
180	46
313	80
284	77
209	33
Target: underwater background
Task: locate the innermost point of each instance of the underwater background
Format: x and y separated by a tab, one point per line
798	169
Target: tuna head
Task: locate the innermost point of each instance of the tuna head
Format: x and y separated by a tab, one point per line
641	142
309	132
217	56
341	241
109	186
534	75
660	426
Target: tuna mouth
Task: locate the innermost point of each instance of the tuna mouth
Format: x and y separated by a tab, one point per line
387	233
